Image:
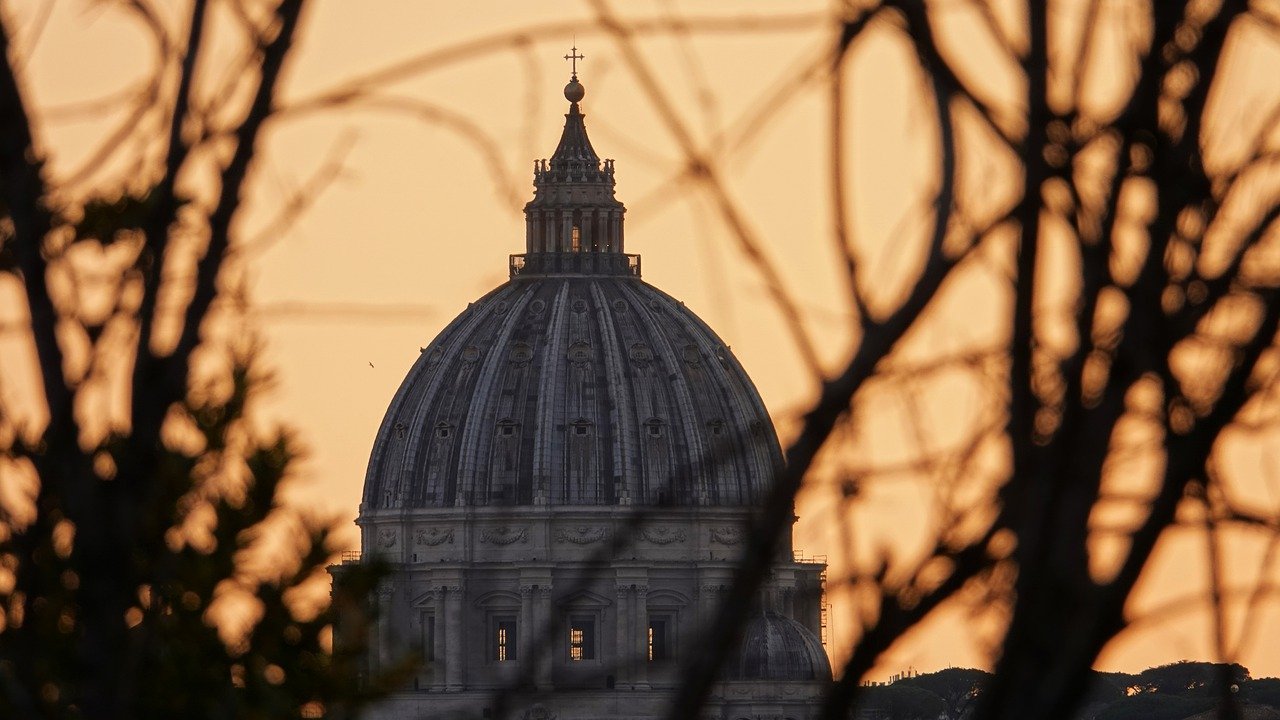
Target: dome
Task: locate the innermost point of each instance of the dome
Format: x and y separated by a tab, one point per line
775	647
574	383
573	389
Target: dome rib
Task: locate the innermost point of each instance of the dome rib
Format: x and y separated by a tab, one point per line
615	384
477	439
544	453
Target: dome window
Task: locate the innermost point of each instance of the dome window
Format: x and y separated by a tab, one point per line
506	428
691	354
654	427
716	427
582	428
444	431
399	431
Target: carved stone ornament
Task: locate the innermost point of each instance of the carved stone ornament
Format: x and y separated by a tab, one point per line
387	538
433	536
641	353
726	535
521	354
580	353
503	535
582	534
662	535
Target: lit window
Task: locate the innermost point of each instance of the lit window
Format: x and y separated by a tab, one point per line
659	638
577	240
504	640
582	638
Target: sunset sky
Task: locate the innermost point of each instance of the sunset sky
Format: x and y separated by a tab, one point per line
436	163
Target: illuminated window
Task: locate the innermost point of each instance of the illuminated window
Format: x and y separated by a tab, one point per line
504	640
582	638
659	638
577	240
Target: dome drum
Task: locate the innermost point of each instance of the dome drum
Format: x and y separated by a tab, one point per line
554	534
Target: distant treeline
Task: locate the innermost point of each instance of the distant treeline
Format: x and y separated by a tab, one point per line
1179	691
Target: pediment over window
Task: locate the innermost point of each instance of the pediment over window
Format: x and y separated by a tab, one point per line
666	599
498	599
425	600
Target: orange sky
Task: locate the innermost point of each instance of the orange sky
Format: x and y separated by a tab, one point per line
422	217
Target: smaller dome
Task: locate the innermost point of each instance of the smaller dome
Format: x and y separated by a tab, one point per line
775	647
574	92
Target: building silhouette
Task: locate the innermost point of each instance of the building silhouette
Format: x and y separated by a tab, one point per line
562	485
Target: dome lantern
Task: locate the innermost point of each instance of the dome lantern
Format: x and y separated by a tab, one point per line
574	223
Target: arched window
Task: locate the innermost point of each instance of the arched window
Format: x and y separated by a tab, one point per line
501	610
664	608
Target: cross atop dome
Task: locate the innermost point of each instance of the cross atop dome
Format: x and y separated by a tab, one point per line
574	56
574	92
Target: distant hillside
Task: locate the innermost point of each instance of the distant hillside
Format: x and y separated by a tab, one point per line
1248	711
1178	691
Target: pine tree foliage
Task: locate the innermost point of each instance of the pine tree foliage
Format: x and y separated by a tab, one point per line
148	568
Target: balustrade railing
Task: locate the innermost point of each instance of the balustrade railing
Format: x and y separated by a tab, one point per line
575	263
